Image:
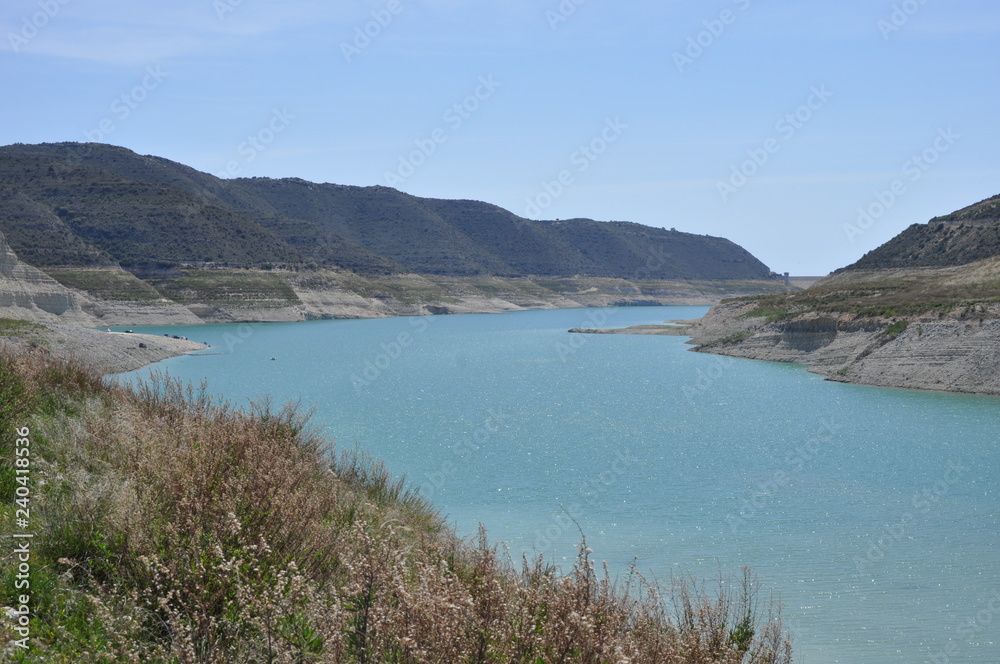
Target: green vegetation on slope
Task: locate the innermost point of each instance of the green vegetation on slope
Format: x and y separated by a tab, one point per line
965	289
172	528
112	204
13	327
968	235
105	283
228	288
950	264
40	236
132	221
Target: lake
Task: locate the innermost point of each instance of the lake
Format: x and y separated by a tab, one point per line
871	513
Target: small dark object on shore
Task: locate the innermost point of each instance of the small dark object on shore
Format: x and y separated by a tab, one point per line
142	345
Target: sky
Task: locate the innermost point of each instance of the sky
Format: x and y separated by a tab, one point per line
808	132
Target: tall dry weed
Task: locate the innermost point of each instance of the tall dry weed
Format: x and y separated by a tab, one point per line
208	534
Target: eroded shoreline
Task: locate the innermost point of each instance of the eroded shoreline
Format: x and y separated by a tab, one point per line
105	352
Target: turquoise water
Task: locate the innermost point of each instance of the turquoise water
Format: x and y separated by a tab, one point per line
872	513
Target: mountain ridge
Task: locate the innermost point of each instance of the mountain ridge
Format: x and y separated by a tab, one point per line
374	230
962	237
144	240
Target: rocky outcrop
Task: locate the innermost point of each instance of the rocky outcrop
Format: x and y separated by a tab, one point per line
953	355
117	313
955	352
110	296
29	294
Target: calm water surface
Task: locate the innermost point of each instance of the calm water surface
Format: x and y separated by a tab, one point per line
872	513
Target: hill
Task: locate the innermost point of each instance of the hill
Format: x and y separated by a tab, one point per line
965	236
921	311
73	205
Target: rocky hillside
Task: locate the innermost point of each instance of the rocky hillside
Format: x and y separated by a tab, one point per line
29	294
928	326
125	239
105	295
966	236
73	205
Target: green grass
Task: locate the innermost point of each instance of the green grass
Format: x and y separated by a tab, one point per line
561	286
16	399
734	338
229	288
106	284
771	314
13	327
896	328
908	296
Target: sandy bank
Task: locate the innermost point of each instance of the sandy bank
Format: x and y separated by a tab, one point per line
662	330
107	352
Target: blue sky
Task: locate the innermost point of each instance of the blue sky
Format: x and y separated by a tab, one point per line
808	132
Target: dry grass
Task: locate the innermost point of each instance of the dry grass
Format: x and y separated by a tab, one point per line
174	528
962	290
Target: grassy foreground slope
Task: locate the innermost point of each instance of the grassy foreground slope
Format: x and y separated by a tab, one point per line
172	528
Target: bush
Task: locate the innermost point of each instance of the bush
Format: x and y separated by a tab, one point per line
896	328
735	337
